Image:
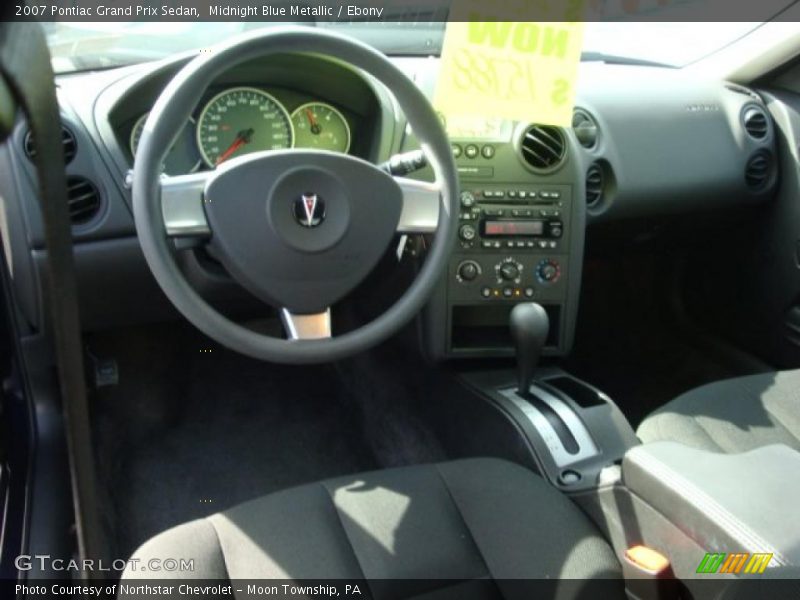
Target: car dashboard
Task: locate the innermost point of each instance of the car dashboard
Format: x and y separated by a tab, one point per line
645	143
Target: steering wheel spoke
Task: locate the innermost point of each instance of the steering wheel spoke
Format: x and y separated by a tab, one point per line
421	201
307	327
182	205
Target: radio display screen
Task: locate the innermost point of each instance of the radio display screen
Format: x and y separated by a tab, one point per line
512	228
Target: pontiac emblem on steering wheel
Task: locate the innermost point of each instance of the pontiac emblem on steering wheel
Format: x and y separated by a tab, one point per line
309	210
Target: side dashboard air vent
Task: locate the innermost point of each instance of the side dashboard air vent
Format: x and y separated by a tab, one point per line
543	147
67	139
595	185
758	170
755	122
585	128
83	200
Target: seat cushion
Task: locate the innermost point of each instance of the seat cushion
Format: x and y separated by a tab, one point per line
734	415
471	520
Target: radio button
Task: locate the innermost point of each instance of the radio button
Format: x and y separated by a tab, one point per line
486	292
487	151
471	151
467	200
556	231
529	292
508	292
512	193
467	233
522	194
494	212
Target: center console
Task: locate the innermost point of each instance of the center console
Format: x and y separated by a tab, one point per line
520	239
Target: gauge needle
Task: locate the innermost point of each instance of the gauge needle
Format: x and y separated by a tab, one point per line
315	128
242	138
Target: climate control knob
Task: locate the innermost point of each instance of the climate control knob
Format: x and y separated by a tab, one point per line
467	233
548	271
468	271
508	270
467	199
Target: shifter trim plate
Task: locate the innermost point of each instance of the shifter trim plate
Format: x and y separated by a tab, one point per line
586	446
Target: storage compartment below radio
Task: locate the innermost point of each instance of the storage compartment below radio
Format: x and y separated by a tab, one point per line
482	327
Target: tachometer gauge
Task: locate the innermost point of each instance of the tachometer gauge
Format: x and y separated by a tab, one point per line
239	121
182	158
320	126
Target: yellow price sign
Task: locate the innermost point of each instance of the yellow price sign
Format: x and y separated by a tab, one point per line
523	71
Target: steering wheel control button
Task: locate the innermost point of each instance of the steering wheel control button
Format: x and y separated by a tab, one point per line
468	271
471	151
309	209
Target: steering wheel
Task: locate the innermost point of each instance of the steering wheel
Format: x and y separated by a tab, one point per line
298	229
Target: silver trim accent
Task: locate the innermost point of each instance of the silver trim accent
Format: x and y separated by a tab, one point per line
182	204
307	327
421	201
586	446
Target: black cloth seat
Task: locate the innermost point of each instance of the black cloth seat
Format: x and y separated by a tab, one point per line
734	415
474	521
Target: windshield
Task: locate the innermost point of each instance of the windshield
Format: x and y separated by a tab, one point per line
86	46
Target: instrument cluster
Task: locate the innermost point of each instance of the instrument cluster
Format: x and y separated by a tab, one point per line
242	119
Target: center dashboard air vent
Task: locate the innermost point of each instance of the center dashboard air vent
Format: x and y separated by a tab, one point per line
83	200
543	147
595	185
758	170
585	128
67	140
755	122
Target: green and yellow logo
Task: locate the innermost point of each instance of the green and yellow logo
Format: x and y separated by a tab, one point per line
734	563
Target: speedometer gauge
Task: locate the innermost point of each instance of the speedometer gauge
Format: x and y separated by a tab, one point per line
320	126
239	121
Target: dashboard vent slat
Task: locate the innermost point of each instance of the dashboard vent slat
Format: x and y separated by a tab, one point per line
543	147
755	122
67	140
83	200
758	170
585	128
595	185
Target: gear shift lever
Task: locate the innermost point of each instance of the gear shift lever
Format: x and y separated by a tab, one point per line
529	327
